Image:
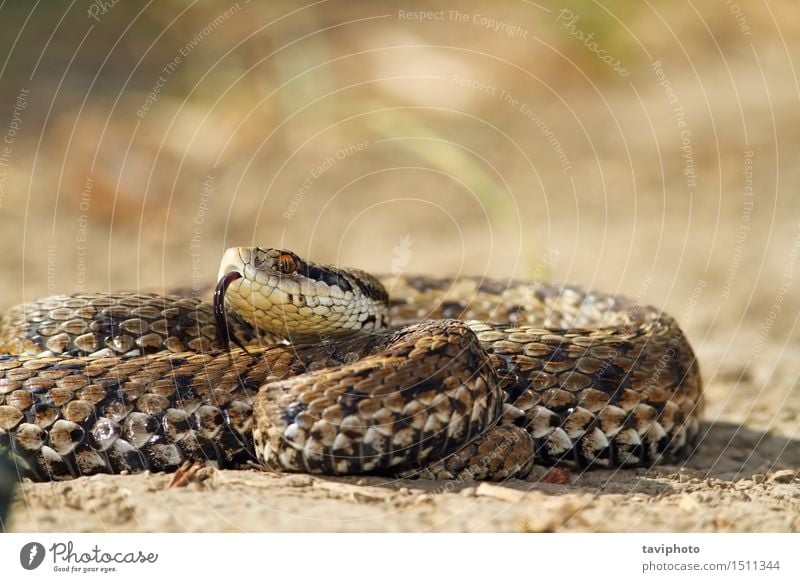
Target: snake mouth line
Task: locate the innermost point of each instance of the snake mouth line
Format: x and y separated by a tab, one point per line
221	315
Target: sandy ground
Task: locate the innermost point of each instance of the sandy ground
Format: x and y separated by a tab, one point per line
745	477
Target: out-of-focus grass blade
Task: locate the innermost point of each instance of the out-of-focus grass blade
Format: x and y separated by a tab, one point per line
412	135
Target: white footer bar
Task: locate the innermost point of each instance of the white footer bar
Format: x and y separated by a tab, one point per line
401	557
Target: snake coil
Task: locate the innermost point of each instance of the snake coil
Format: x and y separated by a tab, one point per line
473	378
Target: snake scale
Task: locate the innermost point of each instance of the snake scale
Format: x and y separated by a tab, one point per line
436	377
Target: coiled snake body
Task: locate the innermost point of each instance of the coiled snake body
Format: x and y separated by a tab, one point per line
475	378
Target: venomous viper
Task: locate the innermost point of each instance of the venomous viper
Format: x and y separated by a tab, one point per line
475	378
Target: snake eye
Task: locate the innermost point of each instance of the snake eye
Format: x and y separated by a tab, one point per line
287	264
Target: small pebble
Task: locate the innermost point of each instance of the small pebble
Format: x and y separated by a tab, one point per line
784	476
361	498
688	503
468	492
298	481
686	475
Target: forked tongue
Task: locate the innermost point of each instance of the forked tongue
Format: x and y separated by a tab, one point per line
221	315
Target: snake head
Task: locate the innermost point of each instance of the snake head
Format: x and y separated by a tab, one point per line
286	296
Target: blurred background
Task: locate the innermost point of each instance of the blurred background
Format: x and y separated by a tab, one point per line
646	148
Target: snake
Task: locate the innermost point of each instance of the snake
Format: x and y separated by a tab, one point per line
294	366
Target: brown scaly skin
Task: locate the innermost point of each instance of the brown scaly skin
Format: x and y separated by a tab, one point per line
428	390
550	375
